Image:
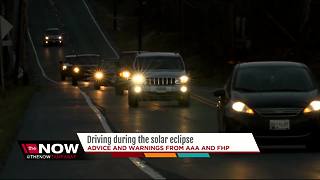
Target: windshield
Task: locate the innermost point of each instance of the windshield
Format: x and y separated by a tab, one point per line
126	60
83	60
273	79
52	32
110	66
158	63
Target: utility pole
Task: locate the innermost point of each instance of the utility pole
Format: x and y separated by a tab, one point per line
140	23
182	24
115	15
1	54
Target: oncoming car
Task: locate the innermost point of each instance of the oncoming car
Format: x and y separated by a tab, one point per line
158	76
105	74
53	36
124	71
83	67
66	66
273	100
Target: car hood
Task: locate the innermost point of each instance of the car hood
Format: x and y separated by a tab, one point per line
164	73
275	99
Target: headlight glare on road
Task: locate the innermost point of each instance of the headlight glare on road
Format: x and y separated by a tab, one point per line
137	89
184	89
64	67
184	79
314	106
138	79
47	37
76	70
60	37
98	75
241	107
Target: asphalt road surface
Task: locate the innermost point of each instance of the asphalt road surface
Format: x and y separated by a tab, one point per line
58	111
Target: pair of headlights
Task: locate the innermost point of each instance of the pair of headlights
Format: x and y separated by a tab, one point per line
47	37
314	106
75	69
97	75
140	79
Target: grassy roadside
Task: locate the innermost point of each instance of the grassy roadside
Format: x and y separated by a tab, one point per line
12	107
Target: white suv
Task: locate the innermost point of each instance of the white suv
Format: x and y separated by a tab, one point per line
158	76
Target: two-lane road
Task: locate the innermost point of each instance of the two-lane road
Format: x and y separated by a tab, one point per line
73	115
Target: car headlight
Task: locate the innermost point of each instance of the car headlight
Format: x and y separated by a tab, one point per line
98	75
47	37
241	107
60	37
138	79
314	106
184	89
184	79
125	74
64	67
137	89
76	70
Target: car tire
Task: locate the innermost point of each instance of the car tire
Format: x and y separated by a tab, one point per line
63	77
97	86
224	127
74	82
312	143
119	91
133	101
184	102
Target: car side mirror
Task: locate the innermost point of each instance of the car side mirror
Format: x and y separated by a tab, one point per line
219	93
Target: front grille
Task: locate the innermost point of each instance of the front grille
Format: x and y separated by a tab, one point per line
161	81
279	112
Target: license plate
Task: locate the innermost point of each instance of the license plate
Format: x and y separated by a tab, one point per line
161	89
279	124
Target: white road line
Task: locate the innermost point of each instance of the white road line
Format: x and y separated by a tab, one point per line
102	119
51	2
38	61
99	28
136	161
204	99
147	169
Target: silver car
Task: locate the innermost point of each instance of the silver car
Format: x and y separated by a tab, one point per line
53	36
158	76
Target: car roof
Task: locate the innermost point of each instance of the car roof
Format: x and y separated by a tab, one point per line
53	29
151	54
271	63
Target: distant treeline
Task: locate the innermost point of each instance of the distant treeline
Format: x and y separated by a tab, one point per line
229	31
